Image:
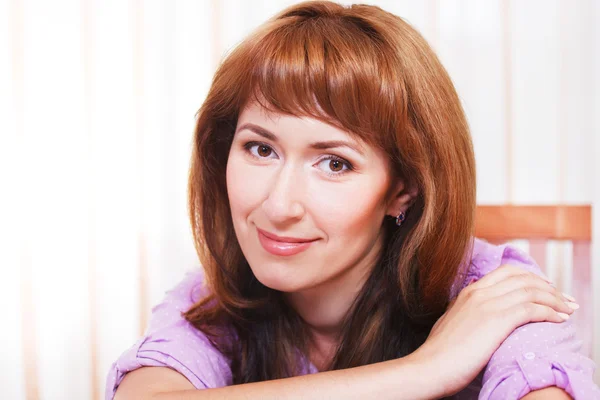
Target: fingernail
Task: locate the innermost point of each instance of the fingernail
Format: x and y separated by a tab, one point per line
573	306
563	316
569	297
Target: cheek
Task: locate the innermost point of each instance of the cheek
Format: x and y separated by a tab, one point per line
350	209
243	186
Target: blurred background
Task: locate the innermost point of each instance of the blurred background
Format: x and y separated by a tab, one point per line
97	108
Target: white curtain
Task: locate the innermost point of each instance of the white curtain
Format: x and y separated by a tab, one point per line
97	107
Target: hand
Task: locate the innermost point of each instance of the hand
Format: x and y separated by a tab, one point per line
482	316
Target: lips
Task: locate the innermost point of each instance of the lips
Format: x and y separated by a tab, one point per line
283	245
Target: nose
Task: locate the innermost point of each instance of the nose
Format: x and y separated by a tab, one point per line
283	203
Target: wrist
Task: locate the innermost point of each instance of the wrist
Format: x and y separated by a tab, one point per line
431	374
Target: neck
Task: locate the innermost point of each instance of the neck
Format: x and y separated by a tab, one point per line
325	307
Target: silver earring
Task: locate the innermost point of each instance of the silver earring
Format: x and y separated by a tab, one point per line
400	218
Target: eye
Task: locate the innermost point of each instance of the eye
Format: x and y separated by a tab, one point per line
260	150
333	165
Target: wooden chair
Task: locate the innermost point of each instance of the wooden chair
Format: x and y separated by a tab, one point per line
538	225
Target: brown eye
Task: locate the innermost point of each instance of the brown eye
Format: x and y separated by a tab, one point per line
336	165
264	151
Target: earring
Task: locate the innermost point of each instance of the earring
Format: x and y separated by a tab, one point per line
400	218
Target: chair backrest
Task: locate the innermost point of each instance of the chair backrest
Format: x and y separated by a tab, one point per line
538	225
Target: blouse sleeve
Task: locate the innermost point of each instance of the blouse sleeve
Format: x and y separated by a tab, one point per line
535	355
171	341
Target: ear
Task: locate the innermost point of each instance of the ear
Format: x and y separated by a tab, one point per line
401	198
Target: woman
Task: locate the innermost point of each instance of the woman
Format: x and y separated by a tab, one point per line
332	198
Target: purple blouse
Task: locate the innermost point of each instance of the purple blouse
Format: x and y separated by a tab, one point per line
534	356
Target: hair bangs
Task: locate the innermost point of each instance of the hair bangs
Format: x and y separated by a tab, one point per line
329	69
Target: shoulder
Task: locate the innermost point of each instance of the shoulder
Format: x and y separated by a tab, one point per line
171	341
487	257
178	300
483	257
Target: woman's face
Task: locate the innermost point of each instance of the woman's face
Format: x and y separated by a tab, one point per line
307	200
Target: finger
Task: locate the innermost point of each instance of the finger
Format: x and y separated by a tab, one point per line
522	281
501	273
531	312
532	295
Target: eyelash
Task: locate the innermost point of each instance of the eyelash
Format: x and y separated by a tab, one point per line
349	166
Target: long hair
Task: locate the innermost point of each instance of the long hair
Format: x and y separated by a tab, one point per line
370	73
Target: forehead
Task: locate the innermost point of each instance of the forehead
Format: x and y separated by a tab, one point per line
296	127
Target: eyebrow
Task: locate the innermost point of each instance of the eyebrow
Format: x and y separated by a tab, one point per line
328	144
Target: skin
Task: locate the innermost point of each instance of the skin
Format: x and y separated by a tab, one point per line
287	187
547	393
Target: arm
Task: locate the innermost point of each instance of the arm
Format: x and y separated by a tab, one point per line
538	357
175	361
404	378
550	393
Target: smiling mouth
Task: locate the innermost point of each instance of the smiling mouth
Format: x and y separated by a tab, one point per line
283	245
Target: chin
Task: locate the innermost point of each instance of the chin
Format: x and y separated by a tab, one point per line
277	278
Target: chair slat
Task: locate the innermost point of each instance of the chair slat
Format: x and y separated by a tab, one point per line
582	290
537	250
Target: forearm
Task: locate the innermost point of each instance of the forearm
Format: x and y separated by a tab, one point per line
397	379
552	392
